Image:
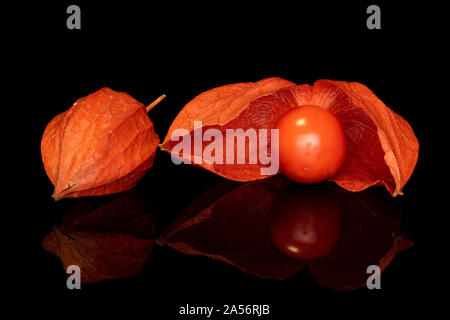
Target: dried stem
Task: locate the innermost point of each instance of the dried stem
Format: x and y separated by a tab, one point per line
154	103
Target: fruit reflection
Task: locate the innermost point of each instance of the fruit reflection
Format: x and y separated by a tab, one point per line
305	222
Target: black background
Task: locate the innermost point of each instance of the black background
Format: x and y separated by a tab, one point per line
182	49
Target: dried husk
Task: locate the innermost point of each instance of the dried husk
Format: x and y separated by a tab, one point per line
103	144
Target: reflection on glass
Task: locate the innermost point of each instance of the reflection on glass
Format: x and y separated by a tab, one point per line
107	241
305	223
271	229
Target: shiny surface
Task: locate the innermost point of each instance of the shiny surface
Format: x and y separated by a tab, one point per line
312	144
305	224
270	229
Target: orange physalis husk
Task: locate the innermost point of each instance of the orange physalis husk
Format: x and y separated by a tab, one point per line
102	145
381	146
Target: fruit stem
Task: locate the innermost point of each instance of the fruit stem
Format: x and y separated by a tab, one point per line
154	103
